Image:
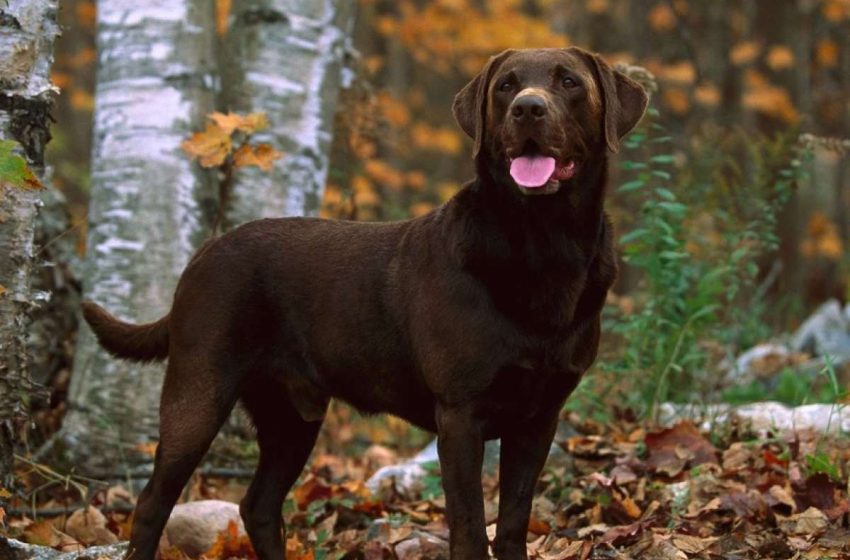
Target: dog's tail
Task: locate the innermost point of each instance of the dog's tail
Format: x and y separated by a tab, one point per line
140	343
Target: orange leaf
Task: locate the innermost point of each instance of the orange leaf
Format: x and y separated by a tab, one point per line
780	57
744	52
262	155
211	146
253	122
827	53
310	491
661	17
222	14
43	533
228	122
230	544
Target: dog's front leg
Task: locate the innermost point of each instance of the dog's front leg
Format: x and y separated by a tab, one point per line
460	443
523	453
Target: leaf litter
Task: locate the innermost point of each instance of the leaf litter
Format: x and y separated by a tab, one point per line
623	491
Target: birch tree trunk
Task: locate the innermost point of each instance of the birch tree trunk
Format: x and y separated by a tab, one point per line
286	57
27	31
150	208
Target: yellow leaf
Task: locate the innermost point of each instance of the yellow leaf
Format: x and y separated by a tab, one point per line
3	290
393	110
211	146
417	180
261	155
744	52
767	98
364	194
228	122
384	174
680	72
780	57
420	209
707	94
253	122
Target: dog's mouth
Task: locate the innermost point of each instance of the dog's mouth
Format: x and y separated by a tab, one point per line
535	170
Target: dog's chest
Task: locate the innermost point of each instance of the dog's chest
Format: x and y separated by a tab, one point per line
538	284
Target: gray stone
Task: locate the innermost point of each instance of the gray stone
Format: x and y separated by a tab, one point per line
194	526
825	333
407	476
762	417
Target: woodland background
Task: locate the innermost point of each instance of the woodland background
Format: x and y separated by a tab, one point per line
731	199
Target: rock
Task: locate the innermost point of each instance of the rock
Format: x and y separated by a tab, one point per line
406	477
10	549
194	526
762	417
825	333
760	361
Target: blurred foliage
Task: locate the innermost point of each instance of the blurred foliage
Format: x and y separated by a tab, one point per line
738	81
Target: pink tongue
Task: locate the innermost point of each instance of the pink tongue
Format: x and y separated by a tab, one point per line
532	171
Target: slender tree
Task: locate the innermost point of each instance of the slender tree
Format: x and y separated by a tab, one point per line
27	32
287	59
150	207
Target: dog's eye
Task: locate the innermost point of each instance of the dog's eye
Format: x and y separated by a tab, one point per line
569	82
506	86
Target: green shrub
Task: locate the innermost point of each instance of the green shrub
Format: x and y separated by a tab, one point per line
694	246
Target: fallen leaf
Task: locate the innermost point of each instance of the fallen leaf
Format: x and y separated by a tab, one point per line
672	449
810	522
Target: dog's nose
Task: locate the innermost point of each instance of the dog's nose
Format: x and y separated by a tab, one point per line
528	108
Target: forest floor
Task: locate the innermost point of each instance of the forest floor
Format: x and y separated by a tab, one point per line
623	491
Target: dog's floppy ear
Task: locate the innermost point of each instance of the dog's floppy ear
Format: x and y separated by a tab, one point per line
623	99
470	104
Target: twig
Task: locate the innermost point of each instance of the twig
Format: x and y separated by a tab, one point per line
57	511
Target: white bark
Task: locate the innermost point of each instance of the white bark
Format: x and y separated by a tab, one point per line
150	207
27	31
286	57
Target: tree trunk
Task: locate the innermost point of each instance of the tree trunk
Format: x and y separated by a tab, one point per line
150	208
287	59
27	31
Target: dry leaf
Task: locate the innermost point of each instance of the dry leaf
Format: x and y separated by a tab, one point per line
261	155
211	146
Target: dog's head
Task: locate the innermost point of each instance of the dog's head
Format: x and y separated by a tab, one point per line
539	114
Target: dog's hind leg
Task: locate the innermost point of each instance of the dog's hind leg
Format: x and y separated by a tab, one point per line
196	399
285	439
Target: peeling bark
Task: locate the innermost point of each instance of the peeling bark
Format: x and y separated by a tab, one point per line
286	58
28	29
150	208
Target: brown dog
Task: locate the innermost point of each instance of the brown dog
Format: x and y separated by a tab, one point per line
475	321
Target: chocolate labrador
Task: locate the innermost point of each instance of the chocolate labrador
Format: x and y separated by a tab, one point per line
475	321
